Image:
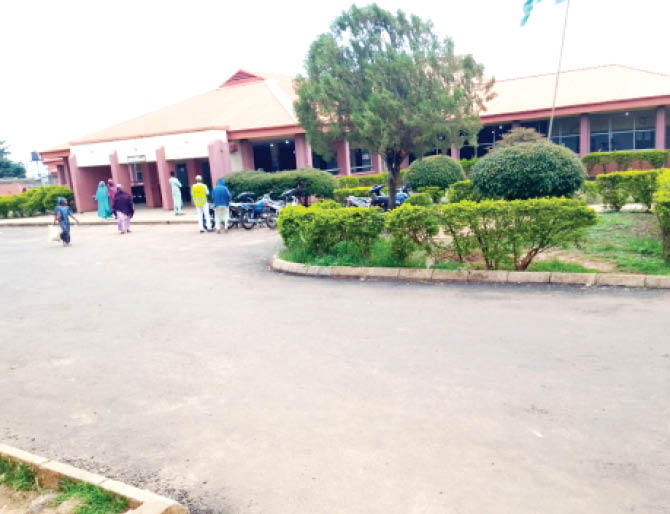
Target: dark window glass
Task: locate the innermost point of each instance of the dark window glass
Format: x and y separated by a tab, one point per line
566	126
600	143
540	126
360	161
599	123
321	163
622	141
275	155
572	142
645	139
467	152
645	120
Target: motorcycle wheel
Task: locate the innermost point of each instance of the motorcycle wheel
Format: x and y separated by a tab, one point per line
246	222
271	221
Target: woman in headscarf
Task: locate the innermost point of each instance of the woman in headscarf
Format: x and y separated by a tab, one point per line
123	208
102	197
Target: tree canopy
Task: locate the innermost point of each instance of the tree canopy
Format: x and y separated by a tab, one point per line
388	84
9	168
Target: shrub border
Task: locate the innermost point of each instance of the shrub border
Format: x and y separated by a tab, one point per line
488	276
49	473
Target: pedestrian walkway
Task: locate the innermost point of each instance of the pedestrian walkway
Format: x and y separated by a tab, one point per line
143	216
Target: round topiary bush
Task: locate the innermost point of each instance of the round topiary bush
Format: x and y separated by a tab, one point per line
528	170
434	171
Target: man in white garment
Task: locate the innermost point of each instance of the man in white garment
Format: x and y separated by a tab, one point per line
175	185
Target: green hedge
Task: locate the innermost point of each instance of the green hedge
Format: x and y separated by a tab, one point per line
341	194
528	170
411	228
436	193
662	211
350	181
35	201
618	187
316	231
515	232
317	182
623	160
467	165
419	199
434	171
461	191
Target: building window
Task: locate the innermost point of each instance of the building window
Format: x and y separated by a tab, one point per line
276	155
630	130
361	161
321	163
486	140
136	175
566	132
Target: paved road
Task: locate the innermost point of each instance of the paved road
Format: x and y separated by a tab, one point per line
178	361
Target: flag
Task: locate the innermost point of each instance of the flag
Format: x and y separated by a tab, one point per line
528	7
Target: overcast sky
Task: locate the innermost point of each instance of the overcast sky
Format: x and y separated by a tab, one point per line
71	67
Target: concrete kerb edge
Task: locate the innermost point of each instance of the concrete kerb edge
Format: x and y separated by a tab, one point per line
49	473
472	276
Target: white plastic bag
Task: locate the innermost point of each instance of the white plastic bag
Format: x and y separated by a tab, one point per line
54	233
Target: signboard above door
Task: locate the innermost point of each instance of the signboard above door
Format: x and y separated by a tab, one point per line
137	158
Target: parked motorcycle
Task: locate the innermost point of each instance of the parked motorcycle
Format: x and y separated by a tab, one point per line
380	200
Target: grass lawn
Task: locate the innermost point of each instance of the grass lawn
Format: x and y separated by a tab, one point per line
632	240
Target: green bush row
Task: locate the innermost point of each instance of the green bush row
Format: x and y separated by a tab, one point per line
350	181
461	191
505	233
35	201
618	187
316	182
662	211
623	160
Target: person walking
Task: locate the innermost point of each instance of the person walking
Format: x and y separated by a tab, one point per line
62	215
111	192
221	199
123	208
175	185
199	193
102	197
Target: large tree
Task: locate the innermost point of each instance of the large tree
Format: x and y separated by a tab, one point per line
389	84
8	168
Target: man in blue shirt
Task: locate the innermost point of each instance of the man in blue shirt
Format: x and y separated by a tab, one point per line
221	199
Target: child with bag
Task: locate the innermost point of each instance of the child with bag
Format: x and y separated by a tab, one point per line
62	215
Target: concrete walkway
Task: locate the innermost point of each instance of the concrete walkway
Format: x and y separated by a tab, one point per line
143	216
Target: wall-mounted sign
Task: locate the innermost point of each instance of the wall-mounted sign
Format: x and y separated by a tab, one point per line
137	158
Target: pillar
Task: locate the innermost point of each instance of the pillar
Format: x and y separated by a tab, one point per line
219	159
120	173
377	163
61	175
660	127
192	170
84	187
164	178
343	157
68	175
405	163
247	150
303	152
152	190
584	135
455	152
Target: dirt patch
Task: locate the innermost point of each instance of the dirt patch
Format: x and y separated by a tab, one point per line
588	262
33	502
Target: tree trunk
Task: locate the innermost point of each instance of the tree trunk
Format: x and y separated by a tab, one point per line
393	160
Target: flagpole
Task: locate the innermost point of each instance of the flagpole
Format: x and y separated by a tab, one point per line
558	72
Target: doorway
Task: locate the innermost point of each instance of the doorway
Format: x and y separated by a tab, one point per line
182	176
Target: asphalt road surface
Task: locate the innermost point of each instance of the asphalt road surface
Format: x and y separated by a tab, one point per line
179	362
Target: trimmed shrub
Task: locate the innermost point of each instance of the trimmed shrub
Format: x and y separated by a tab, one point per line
623	160
642	186
49	201
419	199
514	233
590	190
326	204
341	194
317	182
517	136
350	181
434	171
528	170
316	231
436	193
4	207
461	191
467	165
662	211
411	228
613	187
